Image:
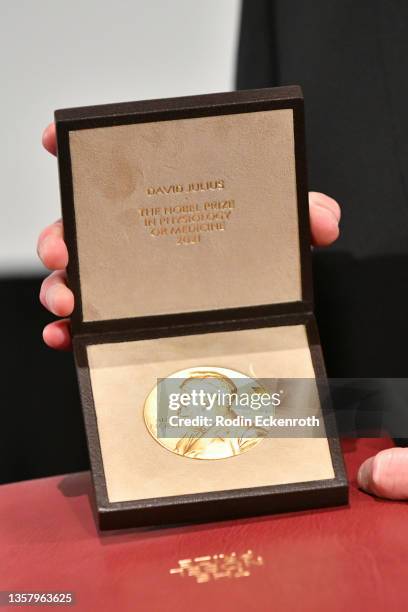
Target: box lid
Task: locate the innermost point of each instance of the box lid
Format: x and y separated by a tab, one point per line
186	205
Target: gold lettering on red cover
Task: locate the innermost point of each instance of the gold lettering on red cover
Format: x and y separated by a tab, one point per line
214	567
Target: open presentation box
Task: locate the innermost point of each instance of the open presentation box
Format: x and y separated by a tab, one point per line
187	227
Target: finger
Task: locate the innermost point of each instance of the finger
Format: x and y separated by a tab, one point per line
51	247
57	335
49	139
55	295
325	201
386	474
324	219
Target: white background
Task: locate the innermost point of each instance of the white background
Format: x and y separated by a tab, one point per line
62	53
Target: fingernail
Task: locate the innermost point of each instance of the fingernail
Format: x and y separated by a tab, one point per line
333	215
364	474
50	298
42	247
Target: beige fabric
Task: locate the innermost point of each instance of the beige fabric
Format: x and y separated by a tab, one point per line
254	259
137	467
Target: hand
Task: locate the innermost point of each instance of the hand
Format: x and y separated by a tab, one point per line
58	299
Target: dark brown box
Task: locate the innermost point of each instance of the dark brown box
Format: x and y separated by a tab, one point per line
159	281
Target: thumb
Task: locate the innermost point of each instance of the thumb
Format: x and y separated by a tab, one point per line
386	474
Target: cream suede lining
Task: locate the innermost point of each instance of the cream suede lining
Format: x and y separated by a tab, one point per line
137	467
253	258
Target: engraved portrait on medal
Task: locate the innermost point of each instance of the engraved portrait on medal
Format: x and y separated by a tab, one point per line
214	426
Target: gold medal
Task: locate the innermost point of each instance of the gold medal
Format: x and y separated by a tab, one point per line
203	439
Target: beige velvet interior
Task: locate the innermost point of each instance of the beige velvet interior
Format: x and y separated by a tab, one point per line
137	467
250	256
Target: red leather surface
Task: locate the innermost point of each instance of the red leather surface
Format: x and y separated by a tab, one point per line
350	558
